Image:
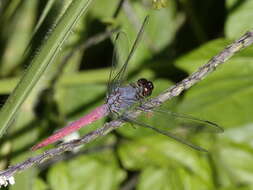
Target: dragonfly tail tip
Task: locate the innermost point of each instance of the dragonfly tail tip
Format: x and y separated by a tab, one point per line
36	147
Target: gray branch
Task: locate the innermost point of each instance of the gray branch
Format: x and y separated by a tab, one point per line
229	51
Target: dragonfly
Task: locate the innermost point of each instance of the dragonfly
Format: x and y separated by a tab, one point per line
122	98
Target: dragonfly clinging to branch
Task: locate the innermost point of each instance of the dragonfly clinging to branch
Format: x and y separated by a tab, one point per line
122	98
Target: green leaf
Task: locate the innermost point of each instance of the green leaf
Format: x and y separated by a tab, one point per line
239	18
161	151
238	169
104	9
235	163
73	79
159	178
17	41
81	99
242	134
59	177
86	172
171	178
40	185
78	95
224	94
237	187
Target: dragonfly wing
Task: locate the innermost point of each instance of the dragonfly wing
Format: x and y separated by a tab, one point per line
180	127
120	53
188	121
121	58
166	133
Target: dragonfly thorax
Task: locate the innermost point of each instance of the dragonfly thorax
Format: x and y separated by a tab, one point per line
125	97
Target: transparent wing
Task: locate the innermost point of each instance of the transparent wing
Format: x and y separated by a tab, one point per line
120	53
121	58
166	133
190	122
179	127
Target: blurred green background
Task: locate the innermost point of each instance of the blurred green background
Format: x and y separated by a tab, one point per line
178	39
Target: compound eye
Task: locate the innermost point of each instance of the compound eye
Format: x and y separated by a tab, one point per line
146	85
148	89
142	81
150	85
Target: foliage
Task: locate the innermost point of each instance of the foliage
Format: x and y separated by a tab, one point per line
178	39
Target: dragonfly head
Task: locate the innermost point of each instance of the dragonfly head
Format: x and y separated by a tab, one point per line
146	86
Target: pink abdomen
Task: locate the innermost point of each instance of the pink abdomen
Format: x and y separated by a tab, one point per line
96	114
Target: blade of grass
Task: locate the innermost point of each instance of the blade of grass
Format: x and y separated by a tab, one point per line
43	15
41	61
